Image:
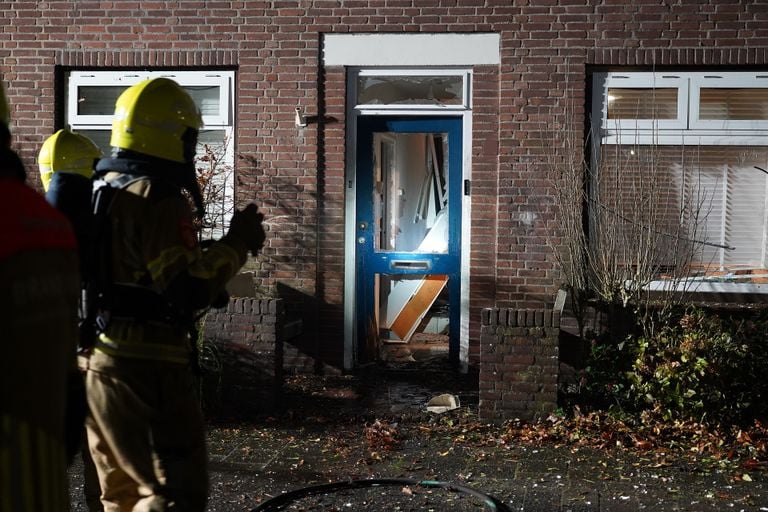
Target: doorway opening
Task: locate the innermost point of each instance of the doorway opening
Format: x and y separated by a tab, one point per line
418	329
411	214
408	245
406	229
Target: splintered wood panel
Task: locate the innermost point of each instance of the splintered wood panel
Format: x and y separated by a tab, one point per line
418	305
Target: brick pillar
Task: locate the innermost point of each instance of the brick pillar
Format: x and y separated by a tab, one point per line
518	363
244	340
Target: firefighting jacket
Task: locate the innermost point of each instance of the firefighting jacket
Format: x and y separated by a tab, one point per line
159	272
70	193
38	315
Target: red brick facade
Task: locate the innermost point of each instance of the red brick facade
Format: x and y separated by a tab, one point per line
518	363
297	176
243	355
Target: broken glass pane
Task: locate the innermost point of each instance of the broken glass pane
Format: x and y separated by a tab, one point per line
410	90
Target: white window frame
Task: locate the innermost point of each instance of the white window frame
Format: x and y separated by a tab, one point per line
464	73
641	81
688	128
221	121
223	79
730	80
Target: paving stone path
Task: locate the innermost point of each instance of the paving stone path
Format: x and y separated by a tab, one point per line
321	437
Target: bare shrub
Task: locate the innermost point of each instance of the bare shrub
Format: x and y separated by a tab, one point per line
215	176
628	215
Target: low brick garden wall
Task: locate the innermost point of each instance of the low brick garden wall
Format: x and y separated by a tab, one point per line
245	347
518	359
518	363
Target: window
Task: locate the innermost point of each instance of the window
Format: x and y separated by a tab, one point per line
642	102
707	135
90	104
411	88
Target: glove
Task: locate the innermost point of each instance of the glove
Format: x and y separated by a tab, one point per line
246	226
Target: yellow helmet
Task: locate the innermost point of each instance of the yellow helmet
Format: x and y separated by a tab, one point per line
65	151
153	117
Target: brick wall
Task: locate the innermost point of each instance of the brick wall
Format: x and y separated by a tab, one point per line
548	47
485	200
244	351
518	363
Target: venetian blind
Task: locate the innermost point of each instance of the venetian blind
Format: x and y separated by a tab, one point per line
733	104
715	190
642	103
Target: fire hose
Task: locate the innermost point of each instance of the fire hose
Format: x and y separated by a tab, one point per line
277	503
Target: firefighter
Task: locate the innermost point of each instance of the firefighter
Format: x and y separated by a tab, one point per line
66	162
65	155
146	429
38	315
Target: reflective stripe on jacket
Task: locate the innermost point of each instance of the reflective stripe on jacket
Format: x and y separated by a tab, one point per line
154	244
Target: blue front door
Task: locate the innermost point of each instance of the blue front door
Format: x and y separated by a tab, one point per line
408	230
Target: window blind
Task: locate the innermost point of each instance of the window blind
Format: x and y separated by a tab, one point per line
715	190
642	103
733	104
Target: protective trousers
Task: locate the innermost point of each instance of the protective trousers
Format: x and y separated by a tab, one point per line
146	436
91	489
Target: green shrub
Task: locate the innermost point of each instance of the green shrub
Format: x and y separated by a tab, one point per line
610	361
698	365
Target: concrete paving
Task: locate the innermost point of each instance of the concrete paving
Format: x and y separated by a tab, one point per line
325	436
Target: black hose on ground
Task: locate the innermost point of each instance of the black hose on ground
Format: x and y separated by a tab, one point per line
278	502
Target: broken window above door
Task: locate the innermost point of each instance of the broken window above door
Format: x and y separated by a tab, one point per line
411	88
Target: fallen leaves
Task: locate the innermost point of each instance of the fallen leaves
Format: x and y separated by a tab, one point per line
381	436
754	465
649	436
657	443
642	445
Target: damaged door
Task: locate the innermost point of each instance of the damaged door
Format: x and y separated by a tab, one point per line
408	237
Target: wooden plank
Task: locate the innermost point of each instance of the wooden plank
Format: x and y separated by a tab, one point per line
417	305
435	241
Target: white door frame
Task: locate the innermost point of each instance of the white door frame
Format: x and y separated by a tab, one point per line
353	112
382	51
